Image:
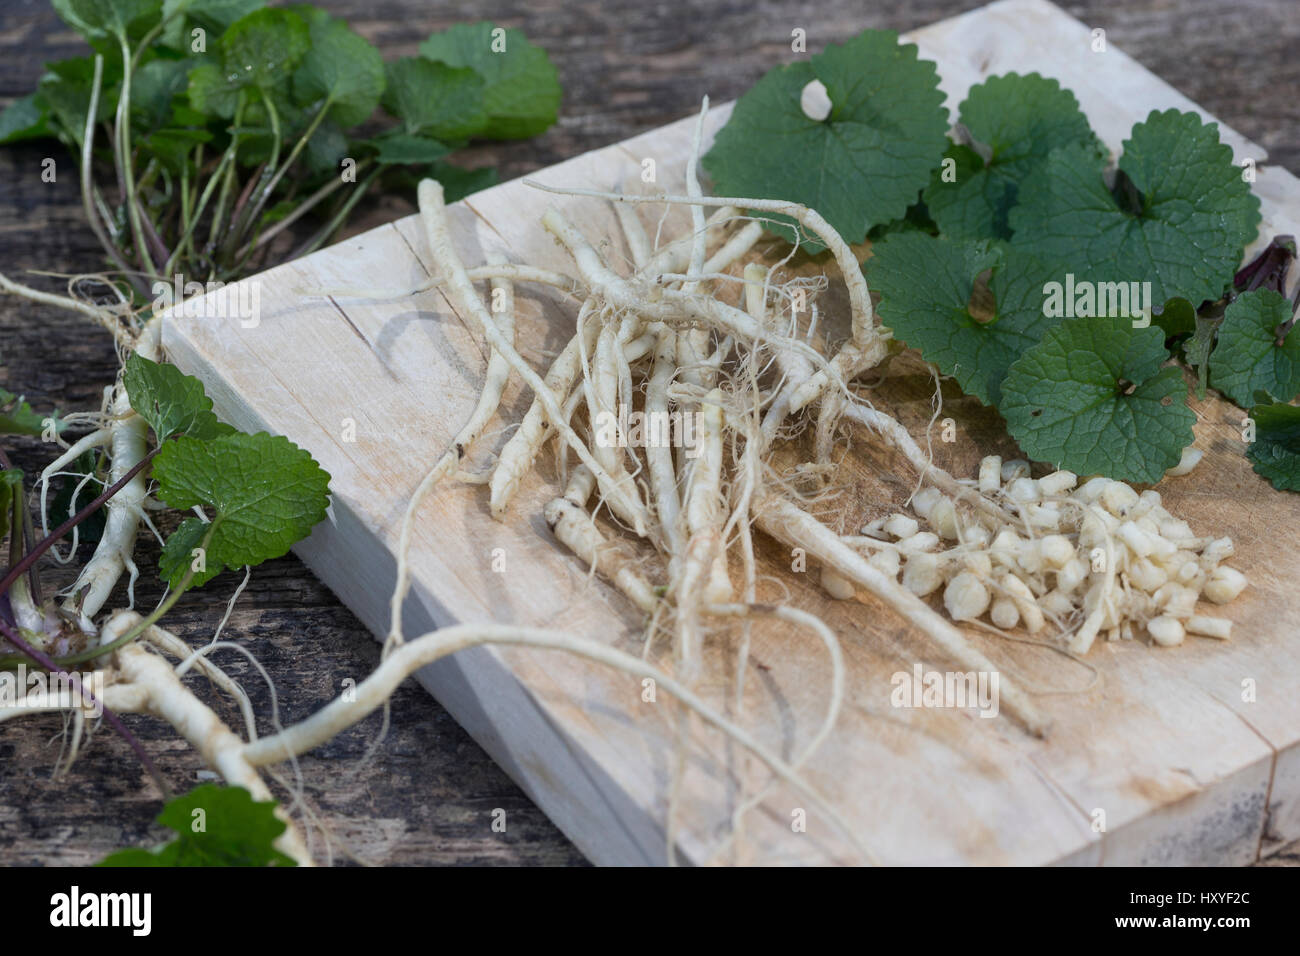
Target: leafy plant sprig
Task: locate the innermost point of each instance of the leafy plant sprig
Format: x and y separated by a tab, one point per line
203	129
262	493
863	163
214	826
259	493
1020	203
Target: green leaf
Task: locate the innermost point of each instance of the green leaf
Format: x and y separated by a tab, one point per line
24	118
215	826
1275	452
17	417
64	91
402	149
172	147
458	182
256	132
213	91
959	171
916	219
212	15
926	287
11	489
1248	359
522	92
325	149
862	166
1092	398
184	115
178	555
172	402
1195	218
1018	120
442	101
1178	317
341	68
263	48
152	89
264	491
99	19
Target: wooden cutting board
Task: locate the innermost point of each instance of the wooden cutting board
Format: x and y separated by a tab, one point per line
1159	743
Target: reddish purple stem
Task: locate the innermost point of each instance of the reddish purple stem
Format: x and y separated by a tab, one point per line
48	542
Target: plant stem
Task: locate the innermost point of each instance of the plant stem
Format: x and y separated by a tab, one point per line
123	337
303	208
332	226
184	225
265	194
193	220
154	616
151	234
228	181
126	163
87	188
20	533
244	211
241	204
48	542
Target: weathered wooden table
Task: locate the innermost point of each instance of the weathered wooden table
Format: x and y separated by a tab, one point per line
429	794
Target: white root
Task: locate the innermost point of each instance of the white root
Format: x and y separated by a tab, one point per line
461	292
704	504
519	453
638	242
96	439
850	269
1190	458
788	523
734	248
166	641
828	418
100	316
129	445
672	306
848	363
659	454
697	211
120	698
676	255
168	698
371	693
498	373
510	272
604	389
701	576
574	528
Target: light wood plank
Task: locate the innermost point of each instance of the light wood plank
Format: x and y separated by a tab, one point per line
1163	743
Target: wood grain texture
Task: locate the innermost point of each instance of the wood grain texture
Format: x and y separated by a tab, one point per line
626	67
1182	773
